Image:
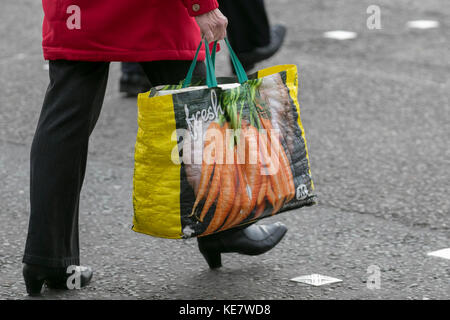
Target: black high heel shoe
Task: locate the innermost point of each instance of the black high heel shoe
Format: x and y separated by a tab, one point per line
55	278
253	240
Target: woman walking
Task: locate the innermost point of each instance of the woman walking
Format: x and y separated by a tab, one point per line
80	38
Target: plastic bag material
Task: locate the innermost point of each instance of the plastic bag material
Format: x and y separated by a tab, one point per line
209	159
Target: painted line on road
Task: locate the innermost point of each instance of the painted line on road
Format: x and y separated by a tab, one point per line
340	35
316	279
422	24
443	253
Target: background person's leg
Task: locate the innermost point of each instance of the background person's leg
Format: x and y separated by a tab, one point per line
249	32
70	111
171	71
131	67
133	79
248	25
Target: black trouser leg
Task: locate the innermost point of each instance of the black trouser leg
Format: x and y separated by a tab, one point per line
248	25
70	111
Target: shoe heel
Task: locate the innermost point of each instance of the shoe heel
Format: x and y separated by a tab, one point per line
209	247
34	286
213	259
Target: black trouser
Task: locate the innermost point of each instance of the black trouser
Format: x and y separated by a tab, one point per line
248	25
59	150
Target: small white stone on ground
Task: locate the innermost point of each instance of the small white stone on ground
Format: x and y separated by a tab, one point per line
422	24
443	253
340	35
316	279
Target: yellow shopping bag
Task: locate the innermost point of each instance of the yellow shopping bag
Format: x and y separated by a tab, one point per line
215	155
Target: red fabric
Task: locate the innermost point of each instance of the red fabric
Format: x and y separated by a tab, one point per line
119	30
202	5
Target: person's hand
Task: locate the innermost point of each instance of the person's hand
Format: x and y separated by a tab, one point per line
213	25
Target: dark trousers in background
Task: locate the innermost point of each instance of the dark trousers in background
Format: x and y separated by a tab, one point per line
131	67
71	107
248	25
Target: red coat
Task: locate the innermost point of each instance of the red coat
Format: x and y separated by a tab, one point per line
122	30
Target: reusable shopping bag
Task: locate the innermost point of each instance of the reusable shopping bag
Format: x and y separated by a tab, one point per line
214	155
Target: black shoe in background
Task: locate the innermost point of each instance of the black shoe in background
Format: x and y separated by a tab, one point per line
249	59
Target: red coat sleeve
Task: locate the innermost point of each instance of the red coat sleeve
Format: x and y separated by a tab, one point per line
198	7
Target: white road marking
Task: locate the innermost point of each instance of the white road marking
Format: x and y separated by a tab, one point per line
443	253
422	24
340	35
316	279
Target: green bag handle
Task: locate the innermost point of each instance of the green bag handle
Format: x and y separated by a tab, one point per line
213	54
187	80
211	80
240	72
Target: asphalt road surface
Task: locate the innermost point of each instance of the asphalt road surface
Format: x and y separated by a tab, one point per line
376	114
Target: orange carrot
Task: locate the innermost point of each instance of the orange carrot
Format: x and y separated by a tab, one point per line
225	200
287	170
234	212
236	205
252	170
284	161
244	195
275	181
277	189
245	189
285	173
278	205
270	195
259	210
268	188
262	190
283	180
207	168
281	195
213	191
206	172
